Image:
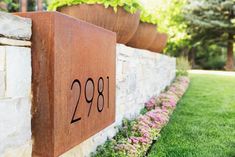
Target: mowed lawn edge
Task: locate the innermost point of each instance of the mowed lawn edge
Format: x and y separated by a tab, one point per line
203	124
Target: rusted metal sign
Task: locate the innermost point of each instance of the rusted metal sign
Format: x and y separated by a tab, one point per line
73	81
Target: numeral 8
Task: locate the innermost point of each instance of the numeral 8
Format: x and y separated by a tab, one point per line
100	99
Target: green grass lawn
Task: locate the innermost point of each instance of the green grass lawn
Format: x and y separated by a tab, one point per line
203	124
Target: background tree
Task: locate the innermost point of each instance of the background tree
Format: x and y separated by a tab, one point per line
212	22
9	5
171	21
14	5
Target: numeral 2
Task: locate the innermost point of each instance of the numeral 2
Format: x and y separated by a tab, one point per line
79	95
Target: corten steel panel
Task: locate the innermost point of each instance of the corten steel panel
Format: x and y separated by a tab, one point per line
73	65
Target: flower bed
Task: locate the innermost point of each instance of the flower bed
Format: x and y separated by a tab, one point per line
135	137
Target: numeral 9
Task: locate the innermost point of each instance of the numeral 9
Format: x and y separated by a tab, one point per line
89	93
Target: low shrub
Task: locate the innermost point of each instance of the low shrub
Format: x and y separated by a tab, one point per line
182	66
136	136
214	63
131	6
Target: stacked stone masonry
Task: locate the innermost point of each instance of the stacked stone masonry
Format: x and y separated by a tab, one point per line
15	86
140	74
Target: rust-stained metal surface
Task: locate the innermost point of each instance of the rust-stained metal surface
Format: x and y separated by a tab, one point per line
144	36
122	22
73	81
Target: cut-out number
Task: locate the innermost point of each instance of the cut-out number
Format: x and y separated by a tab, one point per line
79	95
89	92
89	96
100	94
108	90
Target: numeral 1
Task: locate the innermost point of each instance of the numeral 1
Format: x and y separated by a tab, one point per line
108	90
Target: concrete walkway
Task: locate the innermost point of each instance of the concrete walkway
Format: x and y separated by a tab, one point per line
224	73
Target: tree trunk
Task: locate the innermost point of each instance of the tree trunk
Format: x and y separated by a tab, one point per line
230	60
40	5
23	5
191	57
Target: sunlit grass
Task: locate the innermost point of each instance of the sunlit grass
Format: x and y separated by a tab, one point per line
203	125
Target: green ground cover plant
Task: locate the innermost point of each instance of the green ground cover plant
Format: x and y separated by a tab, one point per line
136	136
203	125
131	6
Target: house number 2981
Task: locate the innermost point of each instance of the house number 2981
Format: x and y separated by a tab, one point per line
89	92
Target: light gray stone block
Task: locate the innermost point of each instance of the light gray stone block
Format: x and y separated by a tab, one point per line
18	72
2	58
15	27
20	151
2	84
15	123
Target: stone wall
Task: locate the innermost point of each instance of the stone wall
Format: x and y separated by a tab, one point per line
15	86
140	74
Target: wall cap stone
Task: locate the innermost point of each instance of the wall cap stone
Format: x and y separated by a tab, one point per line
14	42
15	27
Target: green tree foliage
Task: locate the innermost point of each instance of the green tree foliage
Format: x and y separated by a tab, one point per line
170	19
212	22
184	22
8	5
14	5
210	57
